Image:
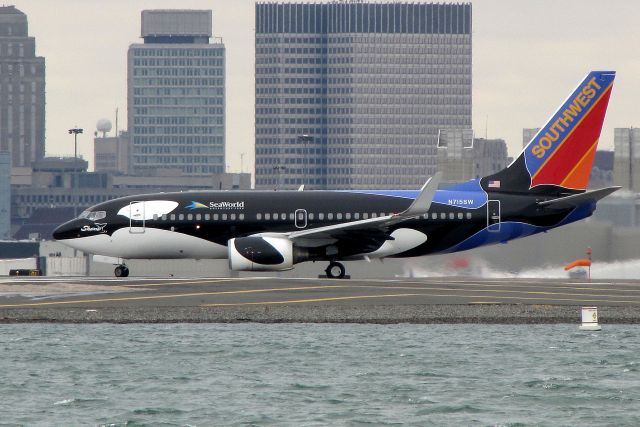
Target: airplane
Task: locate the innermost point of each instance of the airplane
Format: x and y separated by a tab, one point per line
545	187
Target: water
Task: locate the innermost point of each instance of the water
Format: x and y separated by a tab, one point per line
317	375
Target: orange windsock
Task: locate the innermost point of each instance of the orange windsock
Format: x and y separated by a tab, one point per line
578	263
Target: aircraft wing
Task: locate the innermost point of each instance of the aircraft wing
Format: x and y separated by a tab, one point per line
377	225
577	199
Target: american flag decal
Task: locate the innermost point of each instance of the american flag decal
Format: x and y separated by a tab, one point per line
494	184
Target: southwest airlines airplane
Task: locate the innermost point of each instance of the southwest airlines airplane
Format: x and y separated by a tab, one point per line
543	188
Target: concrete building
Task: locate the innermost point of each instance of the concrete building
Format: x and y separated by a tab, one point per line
352	95
22	90
626	169
52	186
5	195
111	153
602	170
459	160
176	95
528	134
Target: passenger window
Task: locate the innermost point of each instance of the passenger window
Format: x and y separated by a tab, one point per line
291	216
233	217
460	215
259	216
283	216
443	215
241	216
356	215
164	217
347	215
173	217
207	217
215	217
469	215
267	216
452	215
425	216
224	217
198	217
374	215
365	215
190	217
181	217
330	216
434	216
311	216
155	217
339	215
275	216
321	216
381	213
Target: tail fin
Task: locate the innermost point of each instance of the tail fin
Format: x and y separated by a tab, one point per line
559	157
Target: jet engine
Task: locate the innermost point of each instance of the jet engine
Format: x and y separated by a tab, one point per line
260	253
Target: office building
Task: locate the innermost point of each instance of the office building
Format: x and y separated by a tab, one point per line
176	95
111	153
22	90
626	168
462	157
353	95
5	195
528	134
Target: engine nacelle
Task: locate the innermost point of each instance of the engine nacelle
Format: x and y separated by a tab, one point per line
260	253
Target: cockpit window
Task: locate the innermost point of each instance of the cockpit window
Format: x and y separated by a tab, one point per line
94	216
84	214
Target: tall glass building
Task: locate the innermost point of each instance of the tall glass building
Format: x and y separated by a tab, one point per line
22	90
176	95
353	95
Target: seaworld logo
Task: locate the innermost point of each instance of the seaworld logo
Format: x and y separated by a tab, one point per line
197	205
97	228
216	205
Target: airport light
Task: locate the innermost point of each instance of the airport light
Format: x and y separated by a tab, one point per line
75	131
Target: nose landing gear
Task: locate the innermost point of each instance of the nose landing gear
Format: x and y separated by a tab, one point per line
335	270
121	271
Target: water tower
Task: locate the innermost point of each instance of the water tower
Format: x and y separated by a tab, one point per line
104	126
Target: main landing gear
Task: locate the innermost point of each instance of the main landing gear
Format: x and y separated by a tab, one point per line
121	271
335	270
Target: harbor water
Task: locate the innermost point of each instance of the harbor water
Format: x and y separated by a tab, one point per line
318	375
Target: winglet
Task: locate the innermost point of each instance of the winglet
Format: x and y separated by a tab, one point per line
422	203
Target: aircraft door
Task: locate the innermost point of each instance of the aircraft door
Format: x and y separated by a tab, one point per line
136	217
493	215
301	218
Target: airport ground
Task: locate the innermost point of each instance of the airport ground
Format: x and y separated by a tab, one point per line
274	300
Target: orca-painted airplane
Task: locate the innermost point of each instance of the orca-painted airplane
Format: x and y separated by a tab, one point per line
543	188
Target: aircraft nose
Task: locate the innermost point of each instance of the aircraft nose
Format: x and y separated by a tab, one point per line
68	230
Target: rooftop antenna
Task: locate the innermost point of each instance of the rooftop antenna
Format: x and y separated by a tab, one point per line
486	126
116	122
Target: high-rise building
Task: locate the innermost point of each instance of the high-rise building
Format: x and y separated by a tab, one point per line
353	95
462	157
111	153
626	167
528	134
176	95
5	195
22	94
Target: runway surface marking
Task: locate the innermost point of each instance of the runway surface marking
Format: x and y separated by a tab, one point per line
311	300
500	291
152	297
423	295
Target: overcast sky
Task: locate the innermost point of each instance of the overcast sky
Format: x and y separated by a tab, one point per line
527	57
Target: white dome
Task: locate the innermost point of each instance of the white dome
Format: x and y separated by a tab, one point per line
103	125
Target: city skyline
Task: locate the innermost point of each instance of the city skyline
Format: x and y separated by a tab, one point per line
523	63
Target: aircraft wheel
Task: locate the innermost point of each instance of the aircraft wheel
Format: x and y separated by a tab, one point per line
335	270
121	271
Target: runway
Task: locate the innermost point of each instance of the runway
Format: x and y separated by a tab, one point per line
285	299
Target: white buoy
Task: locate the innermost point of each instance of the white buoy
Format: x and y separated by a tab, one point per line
590	319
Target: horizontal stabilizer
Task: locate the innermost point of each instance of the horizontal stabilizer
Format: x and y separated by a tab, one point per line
578	199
